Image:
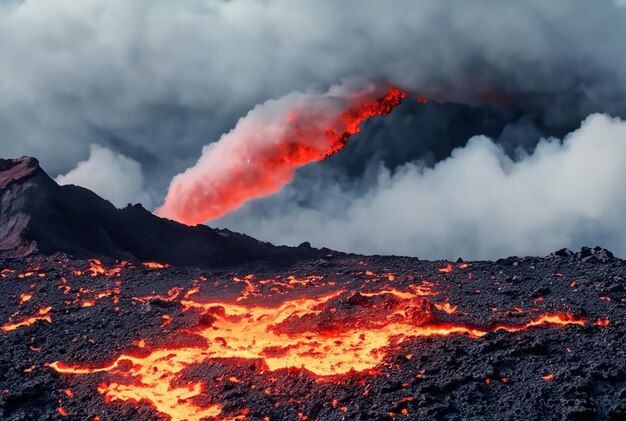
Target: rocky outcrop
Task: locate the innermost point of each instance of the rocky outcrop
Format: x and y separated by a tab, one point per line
39	216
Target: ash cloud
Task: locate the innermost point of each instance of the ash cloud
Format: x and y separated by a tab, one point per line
159	80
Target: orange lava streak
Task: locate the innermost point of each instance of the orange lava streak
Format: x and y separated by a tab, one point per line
449	268
155	265
450	309
363	109
97	269
333	347
42	314
26	297
260	155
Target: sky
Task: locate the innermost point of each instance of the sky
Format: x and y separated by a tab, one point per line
517	150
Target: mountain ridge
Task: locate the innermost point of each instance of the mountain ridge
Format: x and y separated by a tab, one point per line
39	216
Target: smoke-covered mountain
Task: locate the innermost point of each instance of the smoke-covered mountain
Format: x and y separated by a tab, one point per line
39	216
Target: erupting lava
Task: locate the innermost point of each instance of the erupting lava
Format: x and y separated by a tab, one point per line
259	156
335	334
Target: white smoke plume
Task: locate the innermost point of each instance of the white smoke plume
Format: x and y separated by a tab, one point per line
115	177
476	204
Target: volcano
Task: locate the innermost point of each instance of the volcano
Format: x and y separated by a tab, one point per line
117	314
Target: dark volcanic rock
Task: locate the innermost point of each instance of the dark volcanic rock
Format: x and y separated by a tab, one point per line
544	372
39	216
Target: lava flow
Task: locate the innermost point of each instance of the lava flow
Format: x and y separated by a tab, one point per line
336	334
260	155
42	314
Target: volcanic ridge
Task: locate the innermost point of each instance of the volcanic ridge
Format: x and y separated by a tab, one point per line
117	314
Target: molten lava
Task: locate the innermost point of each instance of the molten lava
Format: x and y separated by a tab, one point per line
260	155
42	314
334	334
97	269
155	265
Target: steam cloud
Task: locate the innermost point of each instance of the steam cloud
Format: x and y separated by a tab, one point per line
260	155
112	176
157	80
478	203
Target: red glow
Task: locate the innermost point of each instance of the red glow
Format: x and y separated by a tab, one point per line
4	273
260	155
332	329
602	322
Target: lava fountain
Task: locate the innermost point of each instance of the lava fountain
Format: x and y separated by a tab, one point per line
261	153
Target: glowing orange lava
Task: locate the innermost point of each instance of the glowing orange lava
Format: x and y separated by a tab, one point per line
42	314
155	265
602	322
450	309
305	333
97	269
4	273
25	297
449	268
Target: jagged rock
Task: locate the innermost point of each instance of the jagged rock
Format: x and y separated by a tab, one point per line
39	216
596	254
561	253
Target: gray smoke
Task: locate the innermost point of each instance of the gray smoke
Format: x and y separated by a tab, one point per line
478	203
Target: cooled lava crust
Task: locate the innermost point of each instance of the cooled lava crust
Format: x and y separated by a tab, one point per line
339	337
